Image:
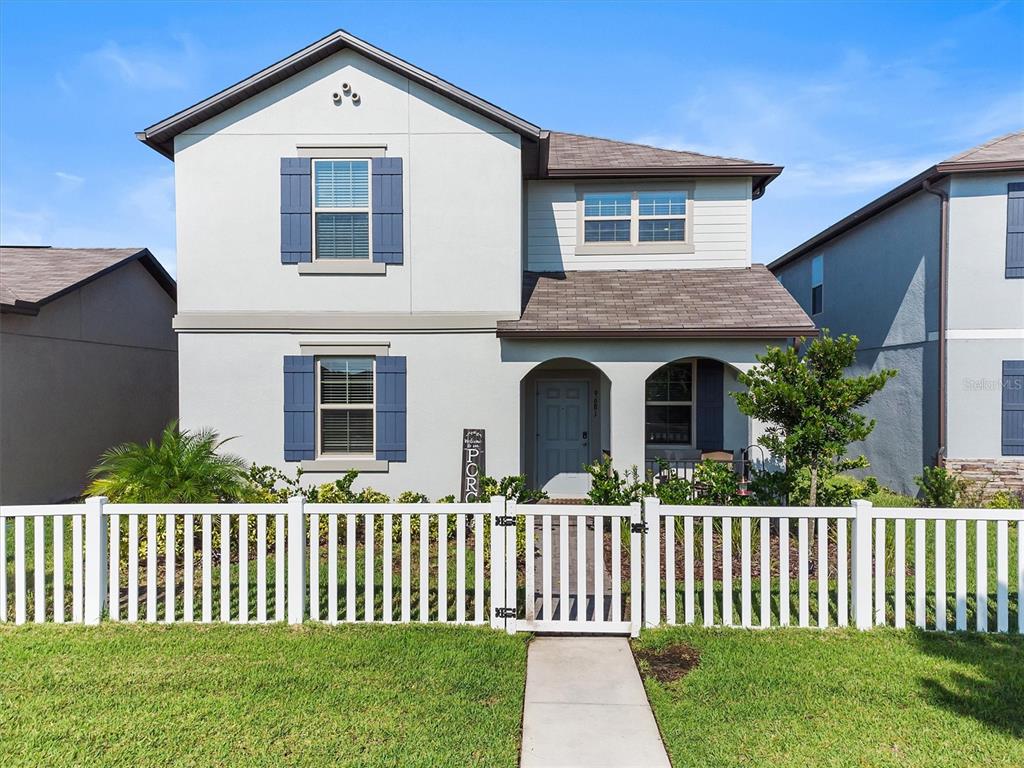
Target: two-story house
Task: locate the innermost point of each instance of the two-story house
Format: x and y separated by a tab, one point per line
371	260
930	276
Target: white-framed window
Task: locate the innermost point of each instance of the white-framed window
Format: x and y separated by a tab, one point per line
669	405
817	284
661	216
345	406
341	209
653	218
607	217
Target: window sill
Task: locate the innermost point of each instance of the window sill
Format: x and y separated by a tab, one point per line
342	267
344	465
629	249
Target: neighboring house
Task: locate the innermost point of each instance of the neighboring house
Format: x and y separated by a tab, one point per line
88	359
372	260
930	276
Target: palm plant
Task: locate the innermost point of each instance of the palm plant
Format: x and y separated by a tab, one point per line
185	467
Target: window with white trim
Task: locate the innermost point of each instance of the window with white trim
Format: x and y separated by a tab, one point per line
655	216
669	405
345	406
341	209
817	284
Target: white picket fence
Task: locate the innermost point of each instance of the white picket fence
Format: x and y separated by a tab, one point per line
542	568
851	574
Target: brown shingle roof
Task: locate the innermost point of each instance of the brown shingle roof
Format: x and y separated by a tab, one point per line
1000	149
569	155
31	276
657	303
573	152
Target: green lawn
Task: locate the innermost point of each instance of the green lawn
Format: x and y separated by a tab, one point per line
270	695
842	698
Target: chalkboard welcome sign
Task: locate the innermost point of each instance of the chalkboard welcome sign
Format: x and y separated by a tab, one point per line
473	455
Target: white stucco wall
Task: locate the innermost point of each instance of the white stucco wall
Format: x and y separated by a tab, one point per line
720	212
986	314
462	198
980	295
234	383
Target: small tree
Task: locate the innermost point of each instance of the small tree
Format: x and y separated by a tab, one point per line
810	405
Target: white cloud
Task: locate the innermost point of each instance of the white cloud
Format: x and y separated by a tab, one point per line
68	182
138	214
147	67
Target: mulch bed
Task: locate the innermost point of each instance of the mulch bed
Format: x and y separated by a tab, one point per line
668	664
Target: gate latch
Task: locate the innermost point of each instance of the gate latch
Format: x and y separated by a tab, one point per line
505	613
507	521
638	527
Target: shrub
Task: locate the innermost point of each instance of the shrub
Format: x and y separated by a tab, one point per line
939	487
1005	500
769	489
715	484
412	497
674	490
609	487
512	487
183	468
833	490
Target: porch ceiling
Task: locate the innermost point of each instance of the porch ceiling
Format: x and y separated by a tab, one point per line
676	303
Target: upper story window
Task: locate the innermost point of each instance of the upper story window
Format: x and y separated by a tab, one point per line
341	209
653	219
345	406
817	284
662	217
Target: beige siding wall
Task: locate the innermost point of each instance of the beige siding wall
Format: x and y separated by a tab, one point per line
721	210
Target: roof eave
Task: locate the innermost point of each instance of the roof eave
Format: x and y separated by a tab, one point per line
767	171
160	135
891	198
782	332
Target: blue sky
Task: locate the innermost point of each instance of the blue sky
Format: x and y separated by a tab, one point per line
851	98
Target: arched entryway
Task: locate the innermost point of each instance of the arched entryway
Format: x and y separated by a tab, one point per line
565	415
688	413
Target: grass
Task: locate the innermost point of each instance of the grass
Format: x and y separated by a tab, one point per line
842	698
268	696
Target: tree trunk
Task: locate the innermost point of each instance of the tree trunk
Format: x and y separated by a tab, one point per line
813	501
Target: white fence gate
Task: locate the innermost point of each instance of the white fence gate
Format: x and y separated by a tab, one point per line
539	568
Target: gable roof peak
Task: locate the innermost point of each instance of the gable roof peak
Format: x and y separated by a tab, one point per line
160	135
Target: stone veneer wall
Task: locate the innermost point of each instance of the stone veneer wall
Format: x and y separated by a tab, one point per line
991	475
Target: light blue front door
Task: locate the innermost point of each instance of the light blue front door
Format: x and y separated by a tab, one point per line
563	437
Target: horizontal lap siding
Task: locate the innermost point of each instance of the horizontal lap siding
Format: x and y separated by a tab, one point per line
720	230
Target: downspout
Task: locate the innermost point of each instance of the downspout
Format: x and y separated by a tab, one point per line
943	196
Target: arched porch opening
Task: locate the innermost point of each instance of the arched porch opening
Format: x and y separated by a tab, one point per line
689	415
566	424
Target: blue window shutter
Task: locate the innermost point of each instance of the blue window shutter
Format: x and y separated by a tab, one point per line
296	211
710	410
298	408
1013	408
1015	230
386	209
391	408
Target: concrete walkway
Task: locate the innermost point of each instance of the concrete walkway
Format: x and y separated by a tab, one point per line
585	706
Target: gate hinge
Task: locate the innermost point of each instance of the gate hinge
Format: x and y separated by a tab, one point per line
505	520
638	527
505	613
